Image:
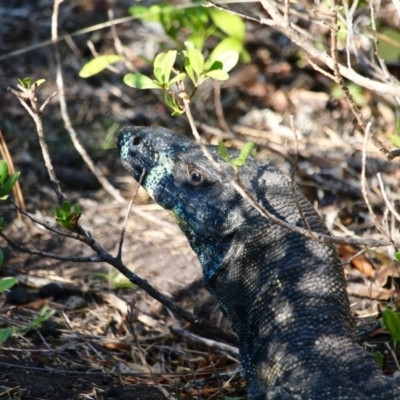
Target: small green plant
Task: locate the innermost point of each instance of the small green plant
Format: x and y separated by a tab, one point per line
44	314
241	160
67	216
7	181
5	284
391	321
27	83
195	68
98	64
115	279
198	23
379	358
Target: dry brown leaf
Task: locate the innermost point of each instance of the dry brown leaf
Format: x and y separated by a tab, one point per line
360	262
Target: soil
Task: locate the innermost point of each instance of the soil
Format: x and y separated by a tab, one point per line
81	330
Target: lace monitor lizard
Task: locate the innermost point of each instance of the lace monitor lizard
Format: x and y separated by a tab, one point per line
284	293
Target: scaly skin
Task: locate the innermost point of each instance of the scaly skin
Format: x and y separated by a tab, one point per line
284	293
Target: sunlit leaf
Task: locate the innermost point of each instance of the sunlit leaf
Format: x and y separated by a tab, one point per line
196	61
97	65
217	74
392	324
3	171
9	183
178	78
140	81
163	64
223	152
230	24
244	153
225	46
7	283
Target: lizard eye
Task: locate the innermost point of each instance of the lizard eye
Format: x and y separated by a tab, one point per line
195	177
136	140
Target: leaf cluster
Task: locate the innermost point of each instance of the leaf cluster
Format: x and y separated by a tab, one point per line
67	215
195	67
7	181
198	24
241	160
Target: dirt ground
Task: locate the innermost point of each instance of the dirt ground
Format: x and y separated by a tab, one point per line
105	338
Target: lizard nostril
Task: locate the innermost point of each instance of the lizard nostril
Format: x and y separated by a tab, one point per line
137	140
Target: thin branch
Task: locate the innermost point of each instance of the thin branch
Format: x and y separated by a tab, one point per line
277	21
128	211
293	177
393	354
385	197
111	190
36	113
24	249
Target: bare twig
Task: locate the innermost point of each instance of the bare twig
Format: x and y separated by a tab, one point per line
36	112
277	21
393	354
111	190
293	177
218	108
389	205
128	211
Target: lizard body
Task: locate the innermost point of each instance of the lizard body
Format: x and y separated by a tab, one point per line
284	294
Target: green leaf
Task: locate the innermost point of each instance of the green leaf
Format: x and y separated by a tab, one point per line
139	81
190	72
170	101
66	208
225	46
93	67
5	334
65	224
76	209
178	78
1	223
158	73
397	255
57	212
392	324
230	24
39	82
217	74
223	152
7	283
155	13
196	61
163	64
9	183
1	257
26	82
379	358
245	152
189	45
3	171
228	59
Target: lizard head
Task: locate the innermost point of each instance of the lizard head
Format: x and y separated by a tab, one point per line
180	178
